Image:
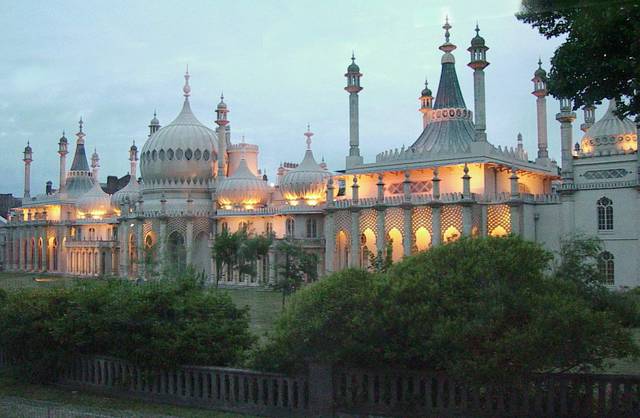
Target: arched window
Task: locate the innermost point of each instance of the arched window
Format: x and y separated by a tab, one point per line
312	228
606	266
225	226
290	226
605	214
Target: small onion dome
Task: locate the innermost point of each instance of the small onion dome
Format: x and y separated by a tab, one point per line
426	92
154	121
242	189
353	67
63	139
28	148
610	134
222	104
477	40
128	195
305	182
95	202
540	72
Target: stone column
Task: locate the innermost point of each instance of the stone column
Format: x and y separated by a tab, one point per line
329	242
162	245
354	260
436	214
407	238
123	238
140	247
189	241
380	230
466	219
45	250
272	266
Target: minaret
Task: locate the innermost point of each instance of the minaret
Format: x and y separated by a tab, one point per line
353	87
589	112
154	125
133	160
28	158
221	132
426	104
540	91
63	150
566	118
95	165
478	51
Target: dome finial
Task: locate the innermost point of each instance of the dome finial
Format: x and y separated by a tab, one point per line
446	28
80	133
477	29
308	134
80	123
353	56
187	88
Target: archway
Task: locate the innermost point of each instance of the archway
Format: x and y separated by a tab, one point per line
202	254
53	254
367	247
342	250
499	231
32	254
150	258
451	234
133	256
176	251
395	239
423	239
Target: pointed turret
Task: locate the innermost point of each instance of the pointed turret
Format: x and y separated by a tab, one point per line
540	91
589	112
450	129
222	121
133	160
478	63
79	178
426	103
80	157
353	87
28	159
95	165
154	125
63	150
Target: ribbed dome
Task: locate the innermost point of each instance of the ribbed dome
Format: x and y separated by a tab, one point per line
127	195
242	188
610	135
307	182
95	202
184	149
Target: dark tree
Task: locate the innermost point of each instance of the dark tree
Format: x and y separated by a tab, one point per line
600	57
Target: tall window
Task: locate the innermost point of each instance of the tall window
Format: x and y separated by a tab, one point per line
291	228
606	266
605	214
269	228
312	228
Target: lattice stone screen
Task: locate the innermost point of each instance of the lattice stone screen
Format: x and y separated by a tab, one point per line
200	225
177	225
498	219
368	220
394	218
451	218
343	222
421	217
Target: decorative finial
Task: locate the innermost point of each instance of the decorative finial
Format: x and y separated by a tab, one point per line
426	82
134	142
308	134
477	29
80	123
221	95
187	88
446	28
540	62
466	169
63	133
353	56
154	113
519	137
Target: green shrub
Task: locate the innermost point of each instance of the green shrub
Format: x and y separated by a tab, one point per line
160	324
476	308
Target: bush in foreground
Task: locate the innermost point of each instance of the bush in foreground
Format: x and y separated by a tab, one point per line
476	308
161	324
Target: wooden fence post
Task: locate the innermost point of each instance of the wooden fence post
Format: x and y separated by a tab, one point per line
321	402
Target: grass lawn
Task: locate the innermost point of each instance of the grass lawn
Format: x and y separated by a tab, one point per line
12	281
98	403
264	307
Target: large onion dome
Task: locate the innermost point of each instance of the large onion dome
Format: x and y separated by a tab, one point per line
182	151
307	182
242	189
95	203
128	195
610	135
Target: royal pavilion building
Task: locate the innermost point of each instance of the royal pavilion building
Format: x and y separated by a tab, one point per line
451	182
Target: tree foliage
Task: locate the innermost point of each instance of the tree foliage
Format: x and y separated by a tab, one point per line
600	57
159	324
476	308
296	267
239	251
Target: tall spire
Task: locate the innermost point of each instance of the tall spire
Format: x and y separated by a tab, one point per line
353	87
80	158
478	62
80	135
